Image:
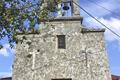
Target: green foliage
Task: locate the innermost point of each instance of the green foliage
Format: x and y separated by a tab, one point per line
1	46
13	16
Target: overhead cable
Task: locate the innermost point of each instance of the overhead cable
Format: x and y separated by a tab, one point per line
104	8
97	20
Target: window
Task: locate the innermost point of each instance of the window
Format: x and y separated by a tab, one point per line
61	41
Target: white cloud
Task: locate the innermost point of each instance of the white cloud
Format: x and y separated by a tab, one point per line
5	74
98	11
112	23
6	50
6	45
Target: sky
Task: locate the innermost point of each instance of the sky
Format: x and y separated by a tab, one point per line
112	42
109	18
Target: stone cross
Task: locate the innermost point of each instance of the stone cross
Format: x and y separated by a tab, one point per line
34	58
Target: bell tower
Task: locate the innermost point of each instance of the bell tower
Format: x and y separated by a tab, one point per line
76	10
67	4
62	50
70	4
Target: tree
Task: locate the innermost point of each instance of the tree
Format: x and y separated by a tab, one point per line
13	13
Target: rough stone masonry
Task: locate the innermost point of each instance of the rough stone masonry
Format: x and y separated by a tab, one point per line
83	57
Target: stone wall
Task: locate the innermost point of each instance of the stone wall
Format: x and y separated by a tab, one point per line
84	58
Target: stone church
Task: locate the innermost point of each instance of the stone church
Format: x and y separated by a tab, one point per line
66	50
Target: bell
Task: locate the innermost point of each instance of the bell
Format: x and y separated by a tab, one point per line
65	6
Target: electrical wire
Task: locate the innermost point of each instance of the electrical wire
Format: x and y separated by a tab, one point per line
97	20
92	17
104	8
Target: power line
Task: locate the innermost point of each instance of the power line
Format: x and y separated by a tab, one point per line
90	16
97	20
104	8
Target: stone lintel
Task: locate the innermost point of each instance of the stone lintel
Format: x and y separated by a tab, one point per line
73	18
27	33
92	30
83	30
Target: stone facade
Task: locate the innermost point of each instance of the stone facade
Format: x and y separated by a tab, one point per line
84	57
